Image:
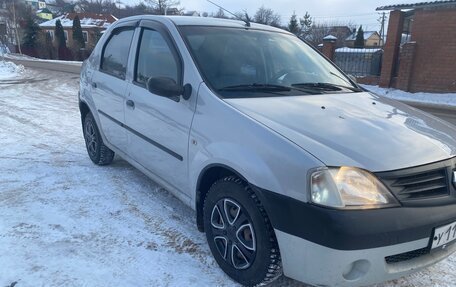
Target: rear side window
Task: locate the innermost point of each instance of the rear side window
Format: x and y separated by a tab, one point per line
155	58
115	53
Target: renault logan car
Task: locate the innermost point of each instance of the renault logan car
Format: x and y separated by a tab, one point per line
290	166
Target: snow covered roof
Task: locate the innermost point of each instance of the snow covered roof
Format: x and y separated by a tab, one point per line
88	20
330	37
417	5
356	50
44	10
367	35
54	2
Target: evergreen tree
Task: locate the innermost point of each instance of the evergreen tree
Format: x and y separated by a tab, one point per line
293	26
359	41
60	41
78	37
31	30
306	24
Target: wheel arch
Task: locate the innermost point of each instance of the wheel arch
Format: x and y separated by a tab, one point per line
84	109
206	178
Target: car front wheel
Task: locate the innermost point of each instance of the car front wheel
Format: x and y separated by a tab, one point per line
239	233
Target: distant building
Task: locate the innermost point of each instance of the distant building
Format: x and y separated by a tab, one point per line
44	13
92	26
60	7
36	4
192	13
341	33
172	11
372	39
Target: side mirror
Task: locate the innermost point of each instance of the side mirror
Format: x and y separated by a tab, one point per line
168	88
165	87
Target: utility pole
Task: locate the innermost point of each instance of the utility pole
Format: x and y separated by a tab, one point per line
382	28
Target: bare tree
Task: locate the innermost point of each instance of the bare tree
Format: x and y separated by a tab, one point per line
320	30
161	7
139	9
220	14
98	6
15	12
266	16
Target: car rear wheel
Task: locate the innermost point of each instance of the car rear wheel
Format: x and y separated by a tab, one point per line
239	233
98	152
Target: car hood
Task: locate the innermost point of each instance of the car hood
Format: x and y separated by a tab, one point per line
355	129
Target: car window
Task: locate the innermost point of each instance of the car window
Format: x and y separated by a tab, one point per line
115	54
155	58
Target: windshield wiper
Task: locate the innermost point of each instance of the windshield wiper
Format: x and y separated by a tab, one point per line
265	88
326	87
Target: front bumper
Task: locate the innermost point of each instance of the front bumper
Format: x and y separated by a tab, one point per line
327	247
322	266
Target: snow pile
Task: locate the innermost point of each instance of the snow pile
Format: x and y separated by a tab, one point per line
427	98
10	70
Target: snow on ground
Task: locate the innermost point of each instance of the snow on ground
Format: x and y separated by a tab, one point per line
66	222
448	99
14	56
9	70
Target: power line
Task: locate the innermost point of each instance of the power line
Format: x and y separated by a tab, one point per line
345	16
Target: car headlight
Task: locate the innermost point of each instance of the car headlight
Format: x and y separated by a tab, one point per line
350	188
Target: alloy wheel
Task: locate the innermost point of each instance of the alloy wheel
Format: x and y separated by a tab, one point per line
90	137
234	235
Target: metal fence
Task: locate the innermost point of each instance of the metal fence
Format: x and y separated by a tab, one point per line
359	62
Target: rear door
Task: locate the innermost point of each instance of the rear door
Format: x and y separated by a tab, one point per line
109	85
158	127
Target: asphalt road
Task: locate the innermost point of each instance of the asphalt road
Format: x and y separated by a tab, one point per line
446	113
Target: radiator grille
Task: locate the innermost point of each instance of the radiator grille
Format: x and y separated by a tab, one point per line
423	185
418	185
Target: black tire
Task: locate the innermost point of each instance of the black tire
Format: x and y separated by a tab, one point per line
241	227
98	152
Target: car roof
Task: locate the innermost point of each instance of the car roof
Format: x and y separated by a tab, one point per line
203	21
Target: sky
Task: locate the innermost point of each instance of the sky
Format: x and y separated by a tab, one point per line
335	11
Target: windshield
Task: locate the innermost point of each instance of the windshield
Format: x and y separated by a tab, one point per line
247	63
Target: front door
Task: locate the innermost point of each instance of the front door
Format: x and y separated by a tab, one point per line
158	127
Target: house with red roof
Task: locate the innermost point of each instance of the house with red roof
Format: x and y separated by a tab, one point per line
92	26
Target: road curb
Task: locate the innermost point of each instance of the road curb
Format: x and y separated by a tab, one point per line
72	67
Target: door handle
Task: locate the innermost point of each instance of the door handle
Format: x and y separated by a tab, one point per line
131	104
94	85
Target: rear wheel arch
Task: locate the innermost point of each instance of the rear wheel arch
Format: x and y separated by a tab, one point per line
84	109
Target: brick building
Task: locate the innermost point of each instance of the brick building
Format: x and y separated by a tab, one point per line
420	49
92	25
